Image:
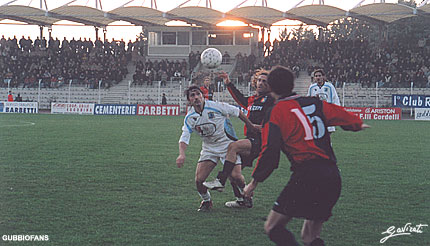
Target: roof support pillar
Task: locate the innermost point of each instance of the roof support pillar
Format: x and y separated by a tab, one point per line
41	32
321	34
97	32
104	34
50	32
383	30
263	30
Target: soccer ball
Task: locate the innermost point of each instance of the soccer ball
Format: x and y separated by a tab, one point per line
211	58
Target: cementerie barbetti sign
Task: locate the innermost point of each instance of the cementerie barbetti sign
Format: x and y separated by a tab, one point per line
158	110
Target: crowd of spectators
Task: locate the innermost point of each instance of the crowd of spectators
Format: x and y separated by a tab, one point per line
394	63
25	62
164	70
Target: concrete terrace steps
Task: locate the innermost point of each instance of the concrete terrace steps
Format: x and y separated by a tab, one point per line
302	83
120	90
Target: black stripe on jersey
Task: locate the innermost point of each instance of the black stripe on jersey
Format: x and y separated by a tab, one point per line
269	158
321	141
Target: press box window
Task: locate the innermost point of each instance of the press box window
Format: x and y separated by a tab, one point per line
242	37
183	38
199	38
169	38
220	38
154	38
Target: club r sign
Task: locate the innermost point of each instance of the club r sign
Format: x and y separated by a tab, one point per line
411	101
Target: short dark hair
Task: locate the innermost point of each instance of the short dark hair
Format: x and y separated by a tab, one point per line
281	80
191	88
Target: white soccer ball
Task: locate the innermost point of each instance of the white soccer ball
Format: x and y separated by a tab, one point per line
211	58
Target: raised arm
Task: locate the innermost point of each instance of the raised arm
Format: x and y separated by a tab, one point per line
235	93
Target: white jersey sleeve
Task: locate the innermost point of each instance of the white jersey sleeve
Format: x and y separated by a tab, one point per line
187	128
327	92
335	97
209	124
309	91
228	109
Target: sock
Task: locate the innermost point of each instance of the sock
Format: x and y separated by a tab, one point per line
282	237
206	197
226	171
317	242
238	192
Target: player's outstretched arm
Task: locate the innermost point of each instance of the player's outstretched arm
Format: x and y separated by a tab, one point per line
248	123
181	158
364	126
235	93
225	77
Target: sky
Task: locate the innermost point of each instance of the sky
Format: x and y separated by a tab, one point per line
125	32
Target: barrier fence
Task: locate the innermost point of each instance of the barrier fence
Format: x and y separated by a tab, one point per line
351	94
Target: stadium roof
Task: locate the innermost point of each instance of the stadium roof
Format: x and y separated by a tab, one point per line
316	14
197	15
26	14
425	8
81	14
263	16
382	12
379	13
138	15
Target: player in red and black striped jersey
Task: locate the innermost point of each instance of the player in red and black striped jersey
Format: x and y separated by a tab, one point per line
207	89
297	126
248	148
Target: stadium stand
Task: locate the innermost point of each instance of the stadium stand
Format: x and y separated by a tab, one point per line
25	63
116	72
393	64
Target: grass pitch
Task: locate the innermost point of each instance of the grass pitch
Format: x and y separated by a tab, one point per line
112	180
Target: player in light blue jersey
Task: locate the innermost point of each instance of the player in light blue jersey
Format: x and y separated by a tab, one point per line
208	118
324	90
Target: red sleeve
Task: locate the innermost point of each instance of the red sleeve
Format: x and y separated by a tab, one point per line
338	116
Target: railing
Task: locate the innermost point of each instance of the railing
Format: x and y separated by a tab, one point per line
351	95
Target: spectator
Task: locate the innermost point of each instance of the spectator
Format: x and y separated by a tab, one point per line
18	98
10	97
164	99
226	58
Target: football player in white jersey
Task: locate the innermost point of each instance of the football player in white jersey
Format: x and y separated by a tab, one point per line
208	118
324	90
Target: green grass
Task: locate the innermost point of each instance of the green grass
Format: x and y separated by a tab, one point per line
112	180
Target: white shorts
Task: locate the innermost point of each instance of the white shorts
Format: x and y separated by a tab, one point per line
216	153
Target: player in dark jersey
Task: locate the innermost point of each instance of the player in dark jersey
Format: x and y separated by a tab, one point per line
297	126
207	89
248	148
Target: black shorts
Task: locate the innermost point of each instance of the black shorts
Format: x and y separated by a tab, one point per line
311	192
255	151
